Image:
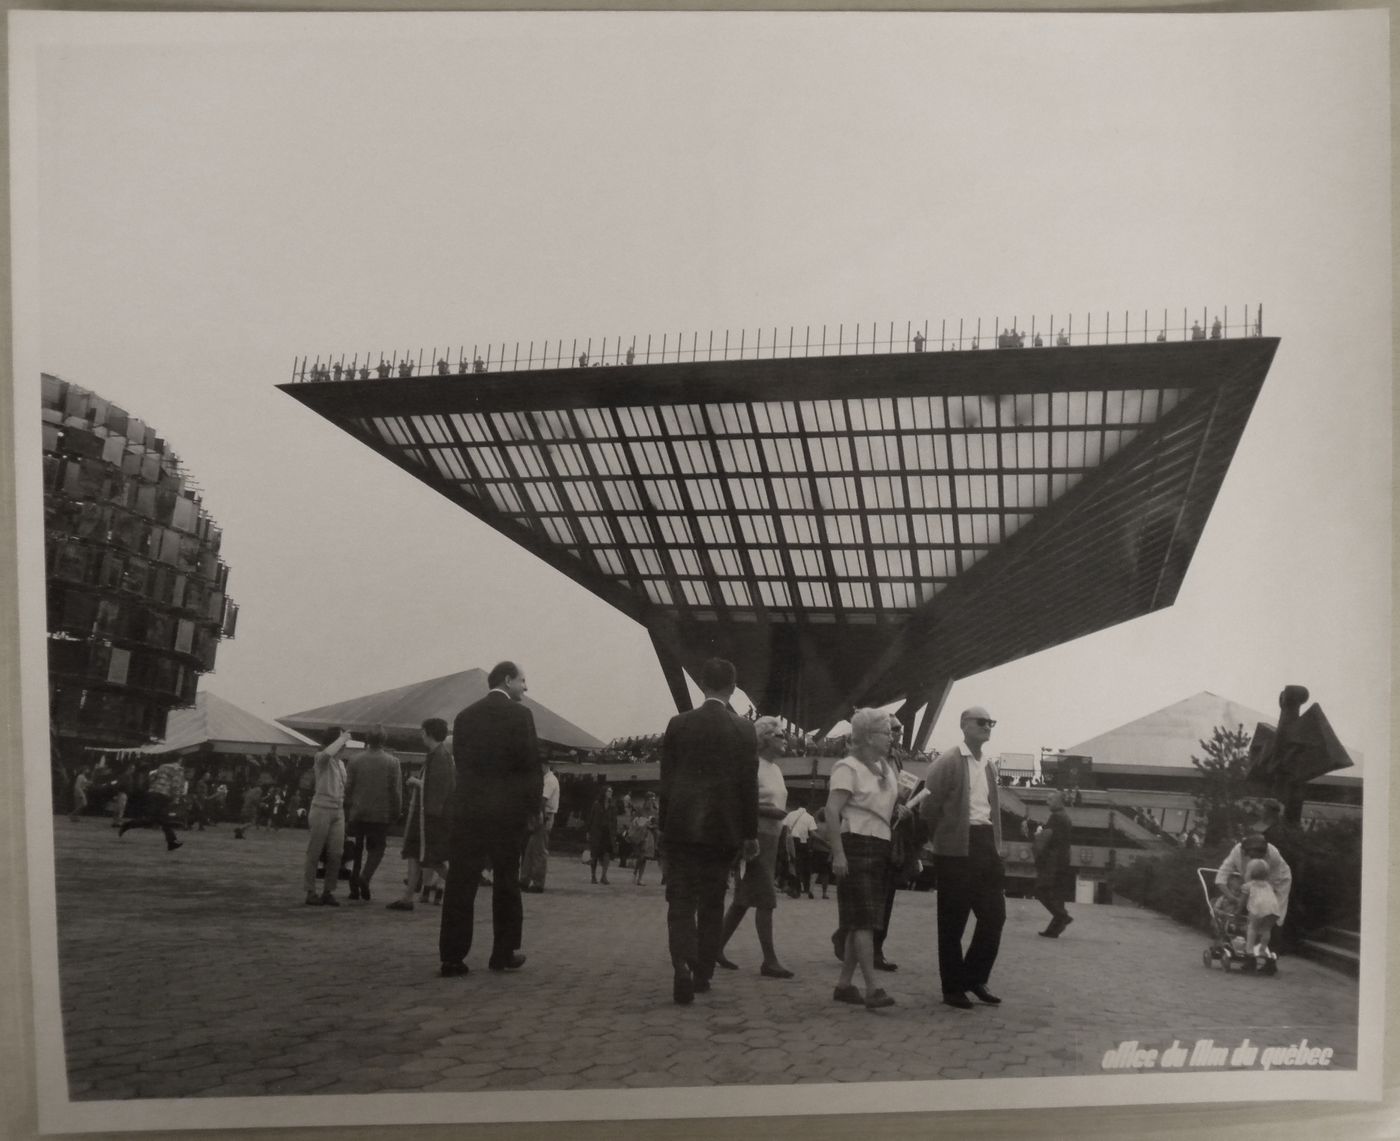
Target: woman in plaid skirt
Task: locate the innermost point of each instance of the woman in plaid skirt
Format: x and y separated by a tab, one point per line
860	804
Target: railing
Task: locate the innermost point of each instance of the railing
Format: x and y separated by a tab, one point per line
1063	331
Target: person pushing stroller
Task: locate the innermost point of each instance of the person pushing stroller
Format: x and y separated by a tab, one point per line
1256	881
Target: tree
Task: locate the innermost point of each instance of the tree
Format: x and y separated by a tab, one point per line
1222	770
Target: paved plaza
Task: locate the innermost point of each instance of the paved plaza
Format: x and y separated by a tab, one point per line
201	972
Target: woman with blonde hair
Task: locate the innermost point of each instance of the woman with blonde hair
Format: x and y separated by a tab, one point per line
860	806
756	887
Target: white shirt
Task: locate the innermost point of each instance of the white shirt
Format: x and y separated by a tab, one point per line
772	789
868	811
551	793
800	823
979	804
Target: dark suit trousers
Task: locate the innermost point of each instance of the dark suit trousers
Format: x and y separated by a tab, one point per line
473	850
696	879
970	885
1051	891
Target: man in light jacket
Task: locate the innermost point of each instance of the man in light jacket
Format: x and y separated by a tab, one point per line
964	821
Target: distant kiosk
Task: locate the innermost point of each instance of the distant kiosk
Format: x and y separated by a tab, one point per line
850	529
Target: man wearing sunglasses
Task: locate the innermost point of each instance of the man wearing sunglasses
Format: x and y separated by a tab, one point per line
964	821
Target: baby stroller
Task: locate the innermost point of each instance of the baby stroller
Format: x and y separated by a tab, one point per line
1228	925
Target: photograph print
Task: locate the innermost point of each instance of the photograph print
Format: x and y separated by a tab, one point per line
612	565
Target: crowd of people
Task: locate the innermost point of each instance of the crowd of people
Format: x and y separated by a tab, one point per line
481	810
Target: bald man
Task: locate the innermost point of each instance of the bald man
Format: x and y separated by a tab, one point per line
964	823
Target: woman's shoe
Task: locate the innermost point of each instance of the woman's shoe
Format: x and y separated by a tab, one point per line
721	961
877	999
774	972
849	994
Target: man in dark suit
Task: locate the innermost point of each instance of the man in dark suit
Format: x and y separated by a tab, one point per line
495	800
709	811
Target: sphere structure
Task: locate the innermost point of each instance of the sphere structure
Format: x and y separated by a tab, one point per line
137	600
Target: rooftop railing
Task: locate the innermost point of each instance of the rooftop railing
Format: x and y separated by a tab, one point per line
1059	331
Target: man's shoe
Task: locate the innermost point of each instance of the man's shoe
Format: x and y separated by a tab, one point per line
328	900
774	972
453	970
354	889
883	964
1065	921
312	899
721	961
364	892
123	828
682	989
984	995
170	847
877	999
512	963
1051	932
958	999
399	905
699	983
849	994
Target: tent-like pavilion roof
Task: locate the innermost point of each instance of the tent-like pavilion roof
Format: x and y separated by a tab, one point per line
1169	737
403	710
226	728
848	530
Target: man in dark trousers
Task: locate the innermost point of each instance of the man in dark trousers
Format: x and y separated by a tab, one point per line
495	799
1052	865
709	812
964	821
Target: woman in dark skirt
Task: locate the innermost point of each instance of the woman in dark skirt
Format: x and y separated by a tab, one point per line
602	830
757	887
859	808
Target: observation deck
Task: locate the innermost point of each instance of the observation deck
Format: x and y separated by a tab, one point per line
850	527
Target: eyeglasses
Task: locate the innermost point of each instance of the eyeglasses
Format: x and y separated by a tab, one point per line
985	722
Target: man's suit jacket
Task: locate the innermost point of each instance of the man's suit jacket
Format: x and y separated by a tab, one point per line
946	808
498	766
709	778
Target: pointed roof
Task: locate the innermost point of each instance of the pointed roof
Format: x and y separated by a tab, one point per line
406	708
225	726
1169	737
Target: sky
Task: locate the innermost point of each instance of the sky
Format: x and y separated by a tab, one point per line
213	198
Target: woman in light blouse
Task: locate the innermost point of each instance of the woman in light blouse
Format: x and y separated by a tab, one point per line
756	888
860	805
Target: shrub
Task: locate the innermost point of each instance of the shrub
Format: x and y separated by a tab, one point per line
1168	883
